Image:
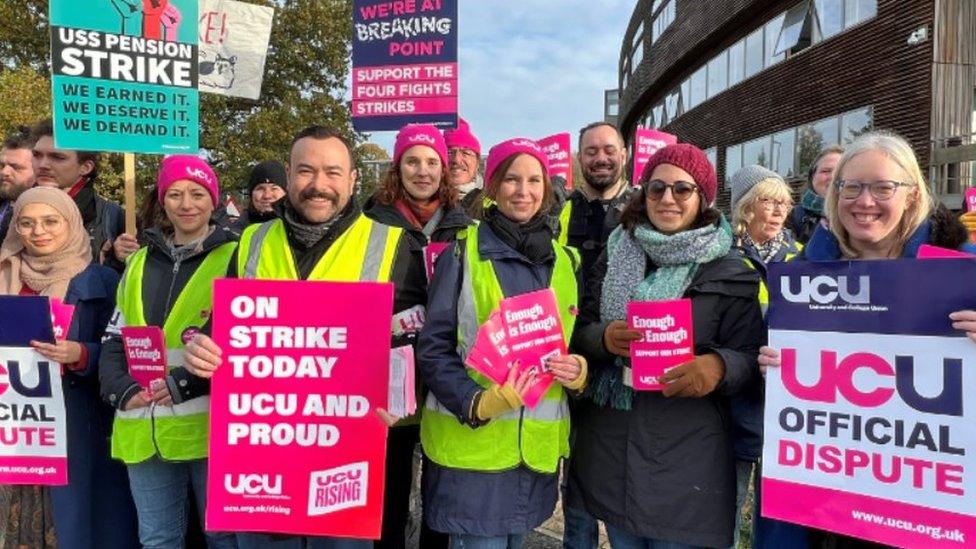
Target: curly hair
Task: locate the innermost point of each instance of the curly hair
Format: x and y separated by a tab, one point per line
391	189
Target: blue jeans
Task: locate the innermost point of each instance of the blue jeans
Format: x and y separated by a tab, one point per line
160	489
465	541
743	476
265	541
621	539
580	529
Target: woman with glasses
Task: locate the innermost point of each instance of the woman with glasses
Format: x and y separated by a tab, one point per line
761	201
657	466
47	253
879	207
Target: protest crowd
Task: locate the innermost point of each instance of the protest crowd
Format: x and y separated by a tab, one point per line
664	469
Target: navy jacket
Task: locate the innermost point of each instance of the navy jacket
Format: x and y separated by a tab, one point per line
470	502
95	509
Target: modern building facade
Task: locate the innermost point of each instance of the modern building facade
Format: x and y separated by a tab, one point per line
773	81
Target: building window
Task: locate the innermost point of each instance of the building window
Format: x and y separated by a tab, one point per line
686	95
733	161
756	152
699	87
637	56
772	30
623	79
718	70
854	123
799	28
672	103
658	115
737	62
856	11
830	14
712	155
782	152
663	20
611	101
754	53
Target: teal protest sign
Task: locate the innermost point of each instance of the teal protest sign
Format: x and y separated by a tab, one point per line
125	75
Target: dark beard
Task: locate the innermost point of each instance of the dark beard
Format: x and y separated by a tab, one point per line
601	183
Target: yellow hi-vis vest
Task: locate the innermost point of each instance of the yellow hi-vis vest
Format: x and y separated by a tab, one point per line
179	432
363	253
535	437
564	215
763	287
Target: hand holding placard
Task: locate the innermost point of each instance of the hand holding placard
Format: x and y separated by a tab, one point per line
667	339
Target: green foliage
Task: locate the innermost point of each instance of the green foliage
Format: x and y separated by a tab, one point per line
304	84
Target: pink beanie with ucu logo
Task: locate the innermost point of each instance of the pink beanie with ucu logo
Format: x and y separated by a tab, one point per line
184	166
419	134
507	149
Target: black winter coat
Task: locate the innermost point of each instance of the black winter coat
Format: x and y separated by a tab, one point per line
665	469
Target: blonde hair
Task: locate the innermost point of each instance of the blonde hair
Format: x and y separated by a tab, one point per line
899	151
742	213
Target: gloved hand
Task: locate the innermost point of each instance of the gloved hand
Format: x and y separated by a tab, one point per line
617	338
969	220
696	378
500	399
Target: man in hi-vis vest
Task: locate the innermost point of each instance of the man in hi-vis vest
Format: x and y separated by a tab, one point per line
321	234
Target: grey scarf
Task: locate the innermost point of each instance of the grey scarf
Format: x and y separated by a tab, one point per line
676	258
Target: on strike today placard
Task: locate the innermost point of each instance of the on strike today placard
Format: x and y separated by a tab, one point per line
295	445
404	64
869	420
124	75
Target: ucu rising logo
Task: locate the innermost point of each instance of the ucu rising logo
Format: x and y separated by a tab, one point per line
11	376
827	289
198	173
421	138
253	485
526	143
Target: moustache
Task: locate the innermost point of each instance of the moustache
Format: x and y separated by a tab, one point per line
598	165
309	194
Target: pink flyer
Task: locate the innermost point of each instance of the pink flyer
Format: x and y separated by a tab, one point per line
668	340
534	334
558	150
61	315
646	143
145	351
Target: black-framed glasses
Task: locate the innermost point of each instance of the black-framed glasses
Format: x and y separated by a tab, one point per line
680	190
880	190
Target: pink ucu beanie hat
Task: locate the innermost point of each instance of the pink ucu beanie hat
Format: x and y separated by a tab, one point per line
426	135
184	166
507	149
462	137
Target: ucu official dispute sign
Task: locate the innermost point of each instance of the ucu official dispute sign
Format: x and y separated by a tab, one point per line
869	419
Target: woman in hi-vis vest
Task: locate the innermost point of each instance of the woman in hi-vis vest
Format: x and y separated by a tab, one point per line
46	252
491	462
161	431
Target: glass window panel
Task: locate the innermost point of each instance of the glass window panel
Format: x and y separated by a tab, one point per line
756	152
672	104
712	155
754	53
686	95
829	128
737	62
854	123
733	160
623	79
830	14
718	69
613	109
638	35
637	56
772	35
659	115
699	87
792	25
783	152
810	141
856	11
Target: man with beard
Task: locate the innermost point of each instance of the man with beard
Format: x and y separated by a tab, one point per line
464	153
593	209
320	234
16	174
591	213
75	172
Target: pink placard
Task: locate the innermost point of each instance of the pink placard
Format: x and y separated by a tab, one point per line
490	354
646	143
927	251
534	333
295	444
668	340
431	252
558	149
970	199
145	351
61	315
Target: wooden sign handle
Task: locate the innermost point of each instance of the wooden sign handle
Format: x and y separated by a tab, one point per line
130	193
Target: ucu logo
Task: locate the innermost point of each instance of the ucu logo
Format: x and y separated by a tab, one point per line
198	173
421	138
526	143
11	377
253	484
826	289
837	379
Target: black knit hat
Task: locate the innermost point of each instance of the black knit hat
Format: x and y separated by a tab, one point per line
267	172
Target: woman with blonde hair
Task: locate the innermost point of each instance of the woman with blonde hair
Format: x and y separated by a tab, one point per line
761	202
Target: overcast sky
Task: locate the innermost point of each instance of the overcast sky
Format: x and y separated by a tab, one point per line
533	68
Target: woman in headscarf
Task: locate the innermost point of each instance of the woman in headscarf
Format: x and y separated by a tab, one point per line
47	253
